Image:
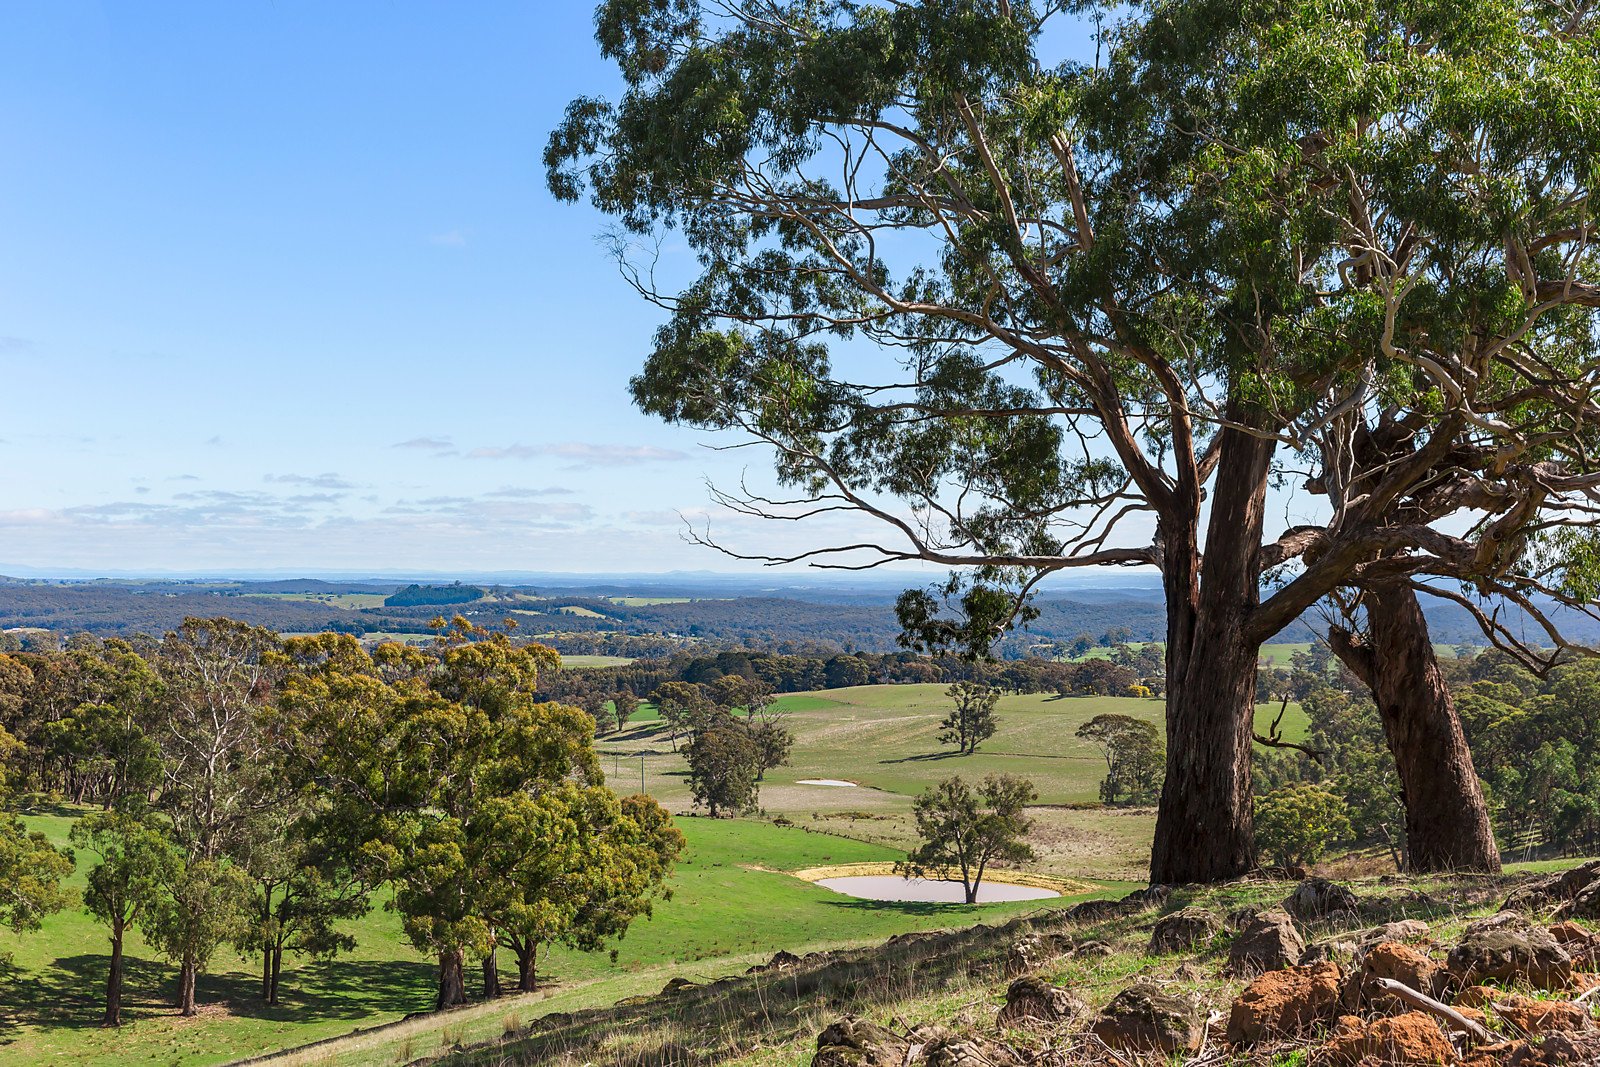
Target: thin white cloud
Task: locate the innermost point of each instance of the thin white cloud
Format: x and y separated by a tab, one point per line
452	238
583	455
517	492
440	445
311	481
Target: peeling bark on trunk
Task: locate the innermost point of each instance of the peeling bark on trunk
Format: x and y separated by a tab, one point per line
1205	827
452	980
1447	821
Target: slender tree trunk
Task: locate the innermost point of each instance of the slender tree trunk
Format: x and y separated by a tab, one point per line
1205	828
266	974
277	973
491	975
186	978
113	1015
1447	820
452	981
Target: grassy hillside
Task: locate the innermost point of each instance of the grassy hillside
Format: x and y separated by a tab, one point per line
730	898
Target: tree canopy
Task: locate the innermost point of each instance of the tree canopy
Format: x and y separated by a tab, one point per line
1026	315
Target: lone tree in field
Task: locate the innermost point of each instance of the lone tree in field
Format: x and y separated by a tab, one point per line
972	720
623	705
724	764
1252	241
753	697
966	831
682	706
1134	757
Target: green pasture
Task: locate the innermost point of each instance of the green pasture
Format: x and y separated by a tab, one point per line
884	738
730	898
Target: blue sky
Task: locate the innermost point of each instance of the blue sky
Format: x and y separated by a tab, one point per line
281	287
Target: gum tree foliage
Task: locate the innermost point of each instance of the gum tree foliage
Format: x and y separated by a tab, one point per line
1134	757
135	862
965	831
449	780
581	864
724	765
971	721
623	705
1297	823
765	724
31	869
1024	315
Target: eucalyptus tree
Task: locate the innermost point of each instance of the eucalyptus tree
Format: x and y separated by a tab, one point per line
423	767
136	864
1020	316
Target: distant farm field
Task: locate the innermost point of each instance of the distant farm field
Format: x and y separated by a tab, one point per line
583	662
885	739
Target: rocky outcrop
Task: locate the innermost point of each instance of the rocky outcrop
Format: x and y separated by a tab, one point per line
1184	931
1031	1001
1508	948
1318	898
1527	1015
1285	1003
1032	951
1146	1018
855	1042
1574	893
1269	941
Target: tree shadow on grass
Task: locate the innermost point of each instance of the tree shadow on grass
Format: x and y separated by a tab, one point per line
69	993
926	757
920	908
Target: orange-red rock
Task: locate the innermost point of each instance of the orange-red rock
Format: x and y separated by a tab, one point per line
1529	1016
1285	1002
1403	964
1571	933
1409	1040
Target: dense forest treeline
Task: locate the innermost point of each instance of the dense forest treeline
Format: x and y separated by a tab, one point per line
1123	670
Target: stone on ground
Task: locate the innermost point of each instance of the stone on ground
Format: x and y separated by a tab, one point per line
1184	931
1269	941
1031	1000
1318	898
1146	1018
1409	1040
1284	1003
1508	948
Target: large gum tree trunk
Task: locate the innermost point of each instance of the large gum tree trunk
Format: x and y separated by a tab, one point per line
1447	821
527	963
1205	830
452	981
